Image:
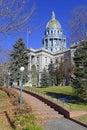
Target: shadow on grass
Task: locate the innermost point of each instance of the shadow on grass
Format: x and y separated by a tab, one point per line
66	98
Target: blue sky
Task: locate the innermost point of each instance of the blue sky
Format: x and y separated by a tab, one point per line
42	15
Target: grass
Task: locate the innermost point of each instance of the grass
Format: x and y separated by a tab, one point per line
62	92
26	122
82	118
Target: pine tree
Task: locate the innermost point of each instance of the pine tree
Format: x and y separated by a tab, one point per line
34	75
19	58
56	72
79	82
45	81
51	73
62	70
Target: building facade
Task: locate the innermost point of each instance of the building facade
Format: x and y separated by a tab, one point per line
54	48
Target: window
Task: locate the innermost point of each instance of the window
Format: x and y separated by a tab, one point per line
51	31
51	49
58	31
37	67
45	59
37	59
51	44
46	44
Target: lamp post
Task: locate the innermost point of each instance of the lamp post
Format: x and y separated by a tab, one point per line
21	85
9	79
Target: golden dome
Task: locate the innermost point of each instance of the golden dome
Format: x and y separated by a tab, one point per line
53	22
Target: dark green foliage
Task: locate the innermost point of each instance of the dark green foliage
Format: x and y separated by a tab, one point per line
79	82
34	75
51	73
45	80
19	58
62	70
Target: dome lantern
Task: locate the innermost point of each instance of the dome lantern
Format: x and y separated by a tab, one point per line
53	15
53	23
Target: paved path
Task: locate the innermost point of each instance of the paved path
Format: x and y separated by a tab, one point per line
53	120
62	124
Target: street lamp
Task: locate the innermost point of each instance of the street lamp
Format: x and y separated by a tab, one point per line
21	85
9	79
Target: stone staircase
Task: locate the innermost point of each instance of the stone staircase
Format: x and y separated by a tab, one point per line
39	108
42	110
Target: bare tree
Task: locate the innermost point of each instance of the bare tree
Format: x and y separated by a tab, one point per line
78	23
4	73
14	15
4	55
4	65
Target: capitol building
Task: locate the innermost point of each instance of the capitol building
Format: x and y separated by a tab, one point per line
53	48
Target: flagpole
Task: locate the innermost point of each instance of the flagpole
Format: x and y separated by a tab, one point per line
27	38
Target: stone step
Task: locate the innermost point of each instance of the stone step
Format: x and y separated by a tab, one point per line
43	109
33	104
45	112
49	116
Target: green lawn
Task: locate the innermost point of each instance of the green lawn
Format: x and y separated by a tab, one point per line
26	122
82	118
74	102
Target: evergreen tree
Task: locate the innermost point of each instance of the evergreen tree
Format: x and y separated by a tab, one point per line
34	75
79	82
51	73
56	72
62	71
19	58
45	82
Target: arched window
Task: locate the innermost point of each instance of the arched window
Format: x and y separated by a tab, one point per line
51	49
51	31
58	31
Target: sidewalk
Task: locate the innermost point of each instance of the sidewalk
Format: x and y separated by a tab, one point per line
62	124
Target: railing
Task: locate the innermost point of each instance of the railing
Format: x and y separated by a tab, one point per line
57	101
